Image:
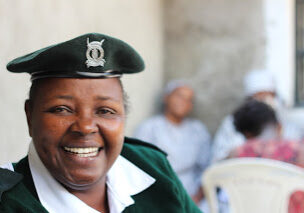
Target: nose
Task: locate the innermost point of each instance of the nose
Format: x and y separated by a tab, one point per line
84	126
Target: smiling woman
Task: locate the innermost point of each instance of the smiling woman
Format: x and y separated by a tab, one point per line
79	159
87	130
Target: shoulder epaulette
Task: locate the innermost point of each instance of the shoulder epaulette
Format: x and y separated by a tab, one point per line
8	179
135	141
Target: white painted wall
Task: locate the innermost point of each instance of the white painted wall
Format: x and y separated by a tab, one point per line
280	52
280	45
32	24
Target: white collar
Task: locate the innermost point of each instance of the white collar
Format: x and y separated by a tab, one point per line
124	179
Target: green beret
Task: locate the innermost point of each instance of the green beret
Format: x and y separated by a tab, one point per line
91	55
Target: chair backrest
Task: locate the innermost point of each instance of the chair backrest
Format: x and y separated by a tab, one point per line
253	185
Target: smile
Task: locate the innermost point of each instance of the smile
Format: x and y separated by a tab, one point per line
83	152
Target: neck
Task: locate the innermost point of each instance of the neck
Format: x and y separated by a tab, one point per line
173	119
95	197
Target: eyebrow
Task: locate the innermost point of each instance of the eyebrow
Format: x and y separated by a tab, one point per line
65	97
105	98
100	98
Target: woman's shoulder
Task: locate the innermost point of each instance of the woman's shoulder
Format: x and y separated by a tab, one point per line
133	145
196	124
146	156
15	195
8	180
166	189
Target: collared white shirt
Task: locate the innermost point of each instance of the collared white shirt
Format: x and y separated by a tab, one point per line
124	179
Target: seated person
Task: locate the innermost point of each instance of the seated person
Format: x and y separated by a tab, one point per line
259	124
259	85
79	160
186	140
257	120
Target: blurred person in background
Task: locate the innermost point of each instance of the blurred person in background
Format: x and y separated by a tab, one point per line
258	123
259	85
186	140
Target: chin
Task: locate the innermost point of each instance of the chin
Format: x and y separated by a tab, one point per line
78	186
81	182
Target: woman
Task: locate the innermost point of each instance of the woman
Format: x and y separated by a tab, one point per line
186	140
79	160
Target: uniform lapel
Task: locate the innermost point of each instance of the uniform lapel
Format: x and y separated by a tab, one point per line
8	180
23	168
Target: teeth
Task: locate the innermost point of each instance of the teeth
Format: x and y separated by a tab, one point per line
83	152
88	155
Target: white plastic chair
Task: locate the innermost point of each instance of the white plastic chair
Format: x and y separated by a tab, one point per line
253	185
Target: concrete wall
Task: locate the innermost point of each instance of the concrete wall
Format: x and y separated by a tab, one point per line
32	24
213	44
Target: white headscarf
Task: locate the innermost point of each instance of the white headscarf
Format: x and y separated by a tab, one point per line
259	81
174	84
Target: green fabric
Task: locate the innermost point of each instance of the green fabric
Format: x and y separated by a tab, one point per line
8	180
166	195
23	197
67	58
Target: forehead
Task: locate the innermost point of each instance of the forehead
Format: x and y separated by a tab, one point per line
185	90
84	88
263	94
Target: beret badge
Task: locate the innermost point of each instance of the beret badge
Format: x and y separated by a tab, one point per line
95	54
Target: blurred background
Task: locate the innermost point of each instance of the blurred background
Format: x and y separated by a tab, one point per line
213	44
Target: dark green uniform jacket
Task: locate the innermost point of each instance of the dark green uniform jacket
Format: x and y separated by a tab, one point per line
166	195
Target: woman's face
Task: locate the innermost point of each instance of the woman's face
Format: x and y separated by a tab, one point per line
77	128
180	102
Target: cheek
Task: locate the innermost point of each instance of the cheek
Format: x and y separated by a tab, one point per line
113	135
189	106
185	104
172	104
48	130
113	126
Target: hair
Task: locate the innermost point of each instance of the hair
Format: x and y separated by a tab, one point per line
253	116
36	84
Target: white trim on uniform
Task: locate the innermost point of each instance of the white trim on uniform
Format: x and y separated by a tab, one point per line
8	166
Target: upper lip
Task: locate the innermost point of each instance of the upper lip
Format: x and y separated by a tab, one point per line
82	144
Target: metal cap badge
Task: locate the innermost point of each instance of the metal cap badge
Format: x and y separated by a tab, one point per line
95	54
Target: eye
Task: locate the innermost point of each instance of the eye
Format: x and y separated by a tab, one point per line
60	110
105	111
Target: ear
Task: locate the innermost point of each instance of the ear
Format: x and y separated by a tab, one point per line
28	112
